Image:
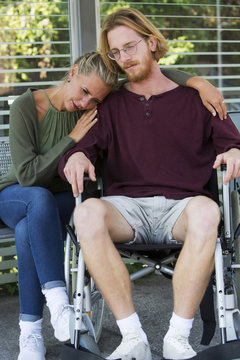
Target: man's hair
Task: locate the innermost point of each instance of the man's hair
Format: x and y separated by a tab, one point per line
92	62
135	20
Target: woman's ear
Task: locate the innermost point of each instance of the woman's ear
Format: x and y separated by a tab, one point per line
73	70
152	43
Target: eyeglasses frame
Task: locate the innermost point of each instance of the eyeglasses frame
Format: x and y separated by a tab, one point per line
125	50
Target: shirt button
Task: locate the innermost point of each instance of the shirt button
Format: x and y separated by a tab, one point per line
147	104
142	98
148	113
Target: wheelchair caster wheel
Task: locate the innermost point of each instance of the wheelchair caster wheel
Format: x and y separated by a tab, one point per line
88	342
236	322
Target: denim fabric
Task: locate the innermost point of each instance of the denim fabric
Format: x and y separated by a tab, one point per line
38	217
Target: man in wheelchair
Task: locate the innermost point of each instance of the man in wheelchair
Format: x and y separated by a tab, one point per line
161	144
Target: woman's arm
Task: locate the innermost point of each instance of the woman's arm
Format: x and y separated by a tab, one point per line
211	97
32	168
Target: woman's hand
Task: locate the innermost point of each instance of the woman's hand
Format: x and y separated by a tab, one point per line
211	97
84	124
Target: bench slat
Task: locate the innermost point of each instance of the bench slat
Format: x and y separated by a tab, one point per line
8	278
8	264
7	251
6	233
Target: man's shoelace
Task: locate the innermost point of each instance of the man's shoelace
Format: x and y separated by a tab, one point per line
127	344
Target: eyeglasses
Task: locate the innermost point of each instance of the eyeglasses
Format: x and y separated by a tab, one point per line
130	49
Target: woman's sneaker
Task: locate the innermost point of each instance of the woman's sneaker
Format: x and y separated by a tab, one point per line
132	347
60	321
176	346
31	347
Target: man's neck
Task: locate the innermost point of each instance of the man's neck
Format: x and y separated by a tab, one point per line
155	84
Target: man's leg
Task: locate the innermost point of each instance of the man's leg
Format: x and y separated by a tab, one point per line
197	227
99	224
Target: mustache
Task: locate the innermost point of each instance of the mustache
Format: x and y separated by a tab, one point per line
131	63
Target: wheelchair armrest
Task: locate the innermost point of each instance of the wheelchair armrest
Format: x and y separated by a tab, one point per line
86	180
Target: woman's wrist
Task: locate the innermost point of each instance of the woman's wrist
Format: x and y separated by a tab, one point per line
197	82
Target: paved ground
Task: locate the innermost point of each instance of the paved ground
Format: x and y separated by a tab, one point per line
153	301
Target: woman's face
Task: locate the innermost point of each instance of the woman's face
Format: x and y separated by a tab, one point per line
84	92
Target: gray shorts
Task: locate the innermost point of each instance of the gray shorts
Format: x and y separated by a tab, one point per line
151	218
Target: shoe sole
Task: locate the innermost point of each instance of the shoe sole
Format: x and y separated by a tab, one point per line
181	359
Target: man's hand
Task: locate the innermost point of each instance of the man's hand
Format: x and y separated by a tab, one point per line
211	97
74	170
232	159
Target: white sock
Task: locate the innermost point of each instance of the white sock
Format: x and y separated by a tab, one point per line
178	322
56	297
31	327
132	321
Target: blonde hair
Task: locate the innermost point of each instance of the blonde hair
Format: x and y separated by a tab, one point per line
135	20
93	62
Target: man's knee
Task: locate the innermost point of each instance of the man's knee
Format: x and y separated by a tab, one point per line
89	218
203	216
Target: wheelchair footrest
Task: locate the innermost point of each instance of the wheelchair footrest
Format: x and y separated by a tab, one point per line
228	351
70	353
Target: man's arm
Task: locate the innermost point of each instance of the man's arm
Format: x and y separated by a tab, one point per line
232	159
76	166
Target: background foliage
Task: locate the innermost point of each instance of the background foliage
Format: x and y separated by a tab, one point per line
45	21
47	15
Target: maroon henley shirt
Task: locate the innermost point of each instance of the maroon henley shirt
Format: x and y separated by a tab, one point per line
165	145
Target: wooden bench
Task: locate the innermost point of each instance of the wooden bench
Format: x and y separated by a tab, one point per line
8	260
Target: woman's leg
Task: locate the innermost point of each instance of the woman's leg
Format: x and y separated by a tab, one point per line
54	291
42	213
36	215
30	294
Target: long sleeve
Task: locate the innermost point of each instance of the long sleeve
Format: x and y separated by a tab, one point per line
30	167
178	76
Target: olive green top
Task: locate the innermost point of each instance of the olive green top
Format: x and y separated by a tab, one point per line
37	148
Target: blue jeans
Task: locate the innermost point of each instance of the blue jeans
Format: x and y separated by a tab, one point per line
38	217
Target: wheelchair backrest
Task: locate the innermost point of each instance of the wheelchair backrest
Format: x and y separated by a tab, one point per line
235	116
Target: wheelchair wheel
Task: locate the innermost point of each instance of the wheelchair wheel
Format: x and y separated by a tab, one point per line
236	221
97	310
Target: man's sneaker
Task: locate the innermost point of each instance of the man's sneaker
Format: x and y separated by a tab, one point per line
177	347
31	347
132	347
60	321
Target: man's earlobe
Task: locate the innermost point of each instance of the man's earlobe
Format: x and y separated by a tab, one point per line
152	41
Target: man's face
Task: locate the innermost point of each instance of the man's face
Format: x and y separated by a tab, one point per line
137	67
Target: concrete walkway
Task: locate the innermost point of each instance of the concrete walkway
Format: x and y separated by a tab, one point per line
153	301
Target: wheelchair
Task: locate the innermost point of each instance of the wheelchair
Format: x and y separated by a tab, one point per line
88	303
